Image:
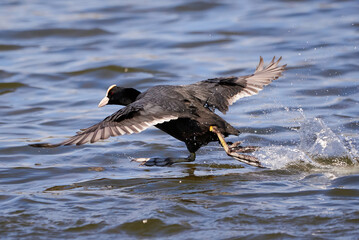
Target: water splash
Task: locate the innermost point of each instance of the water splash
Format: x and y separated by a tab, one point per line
318	140
319	147
278	157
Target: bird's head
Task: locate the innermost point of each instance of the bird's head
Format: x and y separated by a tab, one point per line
119	96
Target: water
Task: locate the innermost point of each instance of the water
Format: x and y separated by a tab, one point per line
57	58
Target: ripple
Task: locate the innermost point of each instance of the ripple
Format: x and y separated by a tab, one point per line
338	192
353	125
10	87
5	74
331	91
195	6
25	111
54	32
112	68
347	181
10	47
151	227
86	227
196	44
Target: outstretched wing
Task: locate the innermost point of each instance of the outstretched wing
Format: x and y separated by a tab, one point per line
120	123
220	93
134	118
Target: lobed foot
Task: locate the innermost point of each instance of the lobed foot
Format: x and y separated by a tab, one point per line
161	162
250	160
235	147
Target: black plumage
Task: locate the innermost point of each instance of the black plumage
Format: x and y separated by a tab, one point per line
186	112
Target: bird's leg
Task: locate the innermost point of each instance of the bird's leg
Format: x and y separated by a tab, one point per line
233	150
164	161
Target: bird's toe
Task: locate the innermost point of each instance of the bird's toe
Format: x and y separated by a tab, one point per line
250	160
235	147
161	162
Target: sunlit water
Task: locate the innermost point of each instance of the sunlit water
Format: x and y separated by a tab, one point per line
57	59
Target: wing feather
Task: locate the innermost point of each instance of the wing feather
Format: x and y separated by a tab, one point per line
220	93
106	128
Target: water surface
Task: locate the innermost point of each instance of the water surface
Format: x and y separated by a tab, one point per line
57	58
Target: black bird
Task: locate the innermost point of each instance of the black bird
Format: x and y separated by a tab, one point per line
186	112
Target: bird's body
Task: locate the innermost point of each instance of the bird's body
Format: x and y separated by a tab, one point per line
186	112
195	118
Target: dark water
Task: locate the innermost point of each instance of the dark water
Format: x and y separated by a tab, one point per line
57	58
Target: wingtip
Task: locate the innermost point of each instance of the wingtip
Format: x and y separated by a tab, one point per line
276	62
260	64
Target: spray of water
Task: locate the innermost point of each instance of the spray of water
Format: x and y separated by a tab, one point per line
319	147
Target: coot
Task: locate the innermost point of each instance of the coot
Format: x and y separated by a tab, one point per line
186	112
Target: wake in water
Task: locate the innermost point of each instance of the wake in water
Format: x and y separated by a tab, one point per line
319	147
